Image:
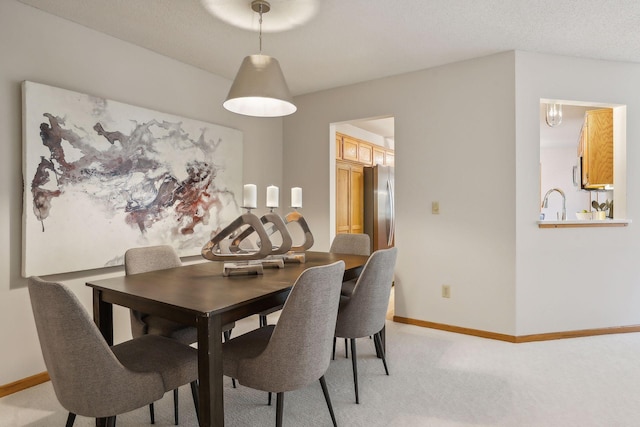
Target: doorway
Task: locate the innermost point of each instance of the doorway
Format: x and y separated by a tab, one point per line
359	144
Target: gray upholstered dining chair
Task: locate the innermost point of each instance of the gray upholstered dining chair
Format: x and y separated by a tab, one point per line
152	258
296	351
354	244
363	314
94	380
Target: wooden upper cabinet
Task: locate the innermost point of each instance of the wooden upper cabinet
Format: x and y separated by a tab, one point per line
362	152
389	158
365	153
378	156
349	149
596	149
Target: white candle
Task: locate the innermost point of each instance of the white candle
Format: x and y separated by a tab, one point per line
250	199
273	196
296	197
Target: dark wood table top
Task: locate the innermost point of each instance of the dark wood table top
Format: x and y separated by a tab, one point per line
201	289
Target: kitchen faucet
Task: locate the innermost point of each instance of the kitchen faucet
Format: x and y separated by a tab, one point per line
545	201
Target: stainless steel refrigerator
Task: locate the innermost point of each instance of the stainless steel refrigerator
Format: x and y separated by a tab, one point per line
379	215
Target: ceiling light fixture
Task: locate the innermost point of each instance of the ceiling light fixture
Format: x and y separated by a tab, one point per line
554	114
259	88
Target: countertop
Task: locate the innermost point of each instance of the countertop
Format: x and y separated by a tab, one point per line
572	223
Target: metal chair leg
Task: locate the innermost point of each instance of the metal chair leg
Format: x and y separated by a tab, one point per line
269	399
378	342
279	408
333	355
263	320
346	349
354	363
152	414
325	391
70	419
175	406
196	402
106	422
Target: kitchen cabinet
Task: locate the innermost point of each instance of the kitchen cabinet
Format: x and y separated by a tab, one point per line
378	156
349	198
362	152
595	149
349	149
389	158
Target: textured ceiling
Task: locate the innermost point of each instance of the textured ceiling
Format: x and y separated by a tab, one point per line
349	41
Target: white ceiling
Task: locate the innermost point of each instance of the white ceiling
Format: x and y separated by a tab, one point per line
350	41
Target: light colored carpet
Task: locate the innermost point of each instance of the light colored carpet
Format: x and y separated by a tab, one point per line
437	379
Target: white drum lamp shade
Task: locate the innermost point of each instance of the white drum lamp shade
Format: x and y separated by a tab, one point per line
259	89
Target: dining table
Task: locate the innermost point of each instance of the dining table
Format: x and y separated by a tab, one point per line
200	295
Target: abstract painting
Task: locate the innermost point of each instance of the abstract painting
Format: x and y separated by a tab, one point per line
101	176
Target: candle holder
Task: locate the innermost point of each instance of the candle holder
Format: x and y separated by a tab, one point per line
297	253
274	259
237	259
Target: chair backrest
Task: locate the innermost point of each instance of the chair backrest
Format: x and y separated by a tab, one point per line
355	244
365	313
299	350
150	258
87	377
142	260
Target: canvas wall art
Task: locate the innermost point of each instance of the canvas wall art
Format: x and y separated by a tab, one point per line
101	176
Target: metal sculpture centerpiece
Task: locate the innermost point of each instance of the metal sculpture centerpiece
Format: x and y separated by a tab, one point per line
246	245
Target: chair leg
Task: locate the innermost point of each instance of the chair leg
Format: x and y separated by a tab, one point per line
263	320
354	363
70	419
175	406
333	357
152	414
106	422
196	402
269	401
325	391
279	408
346	350
378	342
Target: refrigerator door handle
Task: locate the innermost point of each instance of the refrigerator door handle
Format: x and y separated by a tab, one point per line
392	226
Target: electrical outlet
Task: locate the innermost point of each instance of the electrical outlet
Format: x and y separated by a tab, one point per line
446	291
435	208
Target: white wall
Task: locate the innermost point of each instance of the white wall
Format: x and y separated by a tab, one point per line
579	278
455	143
40	47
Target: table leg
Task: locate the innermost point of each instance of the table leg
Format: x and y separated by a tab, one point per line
210	371
103	316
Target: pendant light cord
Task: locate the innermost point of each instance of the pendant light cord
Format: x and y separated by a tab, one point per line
260	29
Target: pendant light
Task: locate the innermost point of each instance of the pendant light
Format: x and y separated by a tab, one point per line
554	115
259	88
